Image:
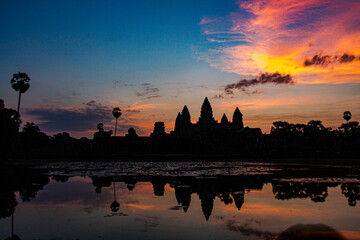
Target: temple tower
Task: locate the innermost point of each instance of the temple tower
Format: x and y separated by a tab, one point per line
206	120
206	114
224	120
183	121
238	120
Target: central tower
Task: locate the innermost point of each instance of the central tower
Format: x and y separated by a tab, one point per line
206	120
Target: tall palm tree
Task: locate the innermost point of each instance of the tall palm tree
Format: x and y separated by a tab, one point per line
20	83
117	113
347	116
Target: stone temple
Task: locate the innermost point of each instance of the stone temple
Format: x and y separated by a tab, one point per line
206	125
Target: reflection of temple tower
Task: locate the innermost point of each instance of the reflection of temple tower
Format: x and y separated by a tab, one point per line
238	198
158	186
206	120
207	204
225	197
183	196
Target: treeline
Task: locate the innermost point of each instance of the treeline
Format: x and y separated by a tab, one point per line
285	140
315	139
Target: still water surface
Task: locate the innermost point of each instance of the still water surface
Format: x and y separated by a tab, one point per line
176	200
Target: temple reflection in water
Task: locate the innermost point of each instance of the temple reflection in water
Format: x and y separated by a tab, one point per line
230	190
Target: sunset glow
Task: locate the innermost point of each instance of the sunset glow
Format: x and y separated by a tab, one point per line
152	60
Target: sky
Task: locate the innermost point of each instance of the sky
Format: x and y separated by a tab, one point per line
285	60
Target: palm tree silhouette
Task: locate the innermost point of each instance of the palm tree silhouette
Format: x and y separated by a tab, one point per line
115	206
100	127
20	83
117	113
347	116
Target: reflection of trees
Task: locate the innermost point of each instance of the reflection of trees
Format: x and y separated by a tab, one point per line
7	202
317	192
130	182
28	182
60	178
31	184
351	192
100	182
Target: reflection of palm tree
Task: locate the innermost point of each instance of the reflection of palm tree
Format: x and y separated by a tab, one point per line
115	206
20	83
117	113
12	237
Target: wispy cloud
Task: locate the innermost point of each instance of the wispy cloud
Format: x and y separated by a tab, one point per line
287	36
148	91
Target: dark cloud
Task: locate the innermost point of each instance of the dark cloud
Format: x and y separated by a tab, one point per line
57	119
264	78
148	91
247	230
80	119
219	96
132	110
92	103
325	60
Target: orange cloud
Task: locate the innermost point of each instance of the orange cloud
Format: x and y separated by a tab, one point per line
281	34
138	206
267	209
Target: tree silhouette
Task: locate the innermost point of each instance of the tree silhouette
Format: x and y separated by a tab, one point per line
9	127
20	83
100	127
347	116
117	113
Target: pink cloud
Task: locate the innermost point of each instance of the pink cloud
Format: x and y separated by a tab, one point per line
281	34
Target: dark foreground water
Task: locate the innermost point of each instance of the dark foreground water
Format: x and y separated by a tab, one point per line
179	201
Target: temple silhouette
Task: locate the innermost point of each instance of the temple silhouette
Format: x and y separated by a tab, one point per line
207	126
206	136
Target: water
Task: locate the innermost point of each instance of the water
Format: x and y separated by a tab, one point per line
176	200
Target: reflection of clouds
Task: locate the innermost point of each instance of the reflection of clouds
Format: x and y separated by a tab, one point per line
116	215
138	206
247	228
176	208
147	222
72	193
